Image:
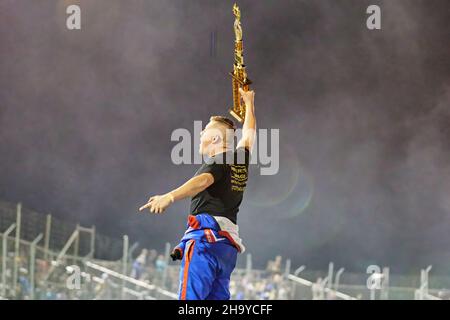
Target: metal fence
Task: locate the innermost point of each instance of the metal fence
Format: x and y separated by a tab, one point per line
48	260
56	232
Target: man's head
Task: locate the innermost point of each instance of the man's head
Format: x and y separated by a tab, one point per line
217	135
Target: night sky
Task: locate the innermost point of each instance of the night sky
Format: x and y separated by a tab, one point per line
364	119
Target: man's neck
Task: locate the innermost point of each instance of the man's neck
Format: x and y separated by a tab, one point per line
217	151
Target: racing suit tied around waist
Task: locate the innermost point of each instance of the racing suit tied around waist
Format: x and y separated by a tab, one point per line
207	228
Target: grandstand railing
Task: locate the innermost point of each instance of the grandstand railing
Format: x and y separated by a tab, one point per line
37	265
139	288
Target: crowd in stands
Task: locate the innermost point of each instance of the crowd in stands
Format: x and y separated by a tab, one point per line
151	267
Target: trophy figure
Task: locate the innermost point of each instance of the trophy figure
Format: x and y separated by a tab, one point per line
239	75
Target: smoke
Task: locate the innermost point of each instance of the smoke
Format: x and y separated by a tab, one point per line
86	118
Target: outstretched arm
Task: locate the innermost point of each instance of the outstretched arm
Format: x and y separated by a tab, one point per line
249	126
157	204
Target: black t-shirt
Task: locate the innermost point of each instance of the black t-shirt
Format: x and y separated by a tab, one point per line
223	197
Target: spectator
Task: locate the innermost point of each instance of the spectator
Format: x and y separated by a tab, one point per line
160	264
317	290
274	266
139	264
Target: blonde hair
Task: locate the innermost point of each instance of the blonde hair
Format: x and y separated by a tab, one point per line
227	121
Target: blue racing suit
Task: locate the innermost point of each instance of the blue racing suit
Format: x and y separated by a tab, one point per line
209	256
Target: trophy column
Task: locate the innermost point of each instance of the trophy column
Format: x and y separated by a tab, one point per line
239	75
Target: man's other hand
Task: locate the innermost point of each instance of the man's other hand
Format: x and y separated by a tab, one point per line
157	204
247	96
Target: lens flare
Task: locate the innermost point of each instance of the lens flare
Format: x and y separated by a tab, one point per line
290	190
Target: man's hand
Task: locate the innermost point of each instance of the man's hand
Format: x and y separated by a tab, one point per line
248	97
157	204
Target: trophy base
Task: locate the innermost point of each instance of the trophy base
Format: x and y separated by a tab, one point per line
236	116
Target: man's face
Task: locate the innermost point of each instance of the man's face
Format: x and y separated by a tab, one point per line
207	136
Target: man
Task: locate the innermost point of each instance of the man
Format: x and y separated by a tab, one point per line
209	247
139	265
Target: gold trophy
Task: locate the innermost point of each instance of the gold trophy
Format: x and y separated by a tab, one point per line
239	75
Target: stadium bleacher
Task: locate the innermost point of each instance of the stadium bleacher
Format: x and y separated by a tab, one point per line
46	258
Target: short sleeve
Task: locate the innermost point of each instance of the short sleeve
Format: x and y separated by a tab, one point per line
215	169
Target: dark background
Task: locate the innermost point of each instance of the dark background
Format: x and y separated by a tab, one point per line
86	118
